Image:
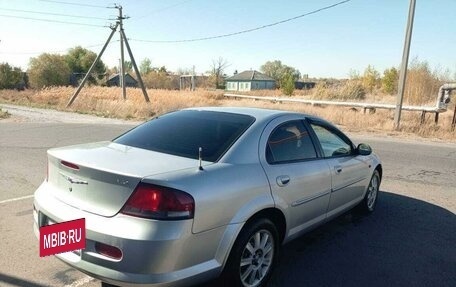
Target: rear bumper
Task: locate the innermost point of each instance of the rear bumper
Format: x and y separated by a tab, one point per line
155	253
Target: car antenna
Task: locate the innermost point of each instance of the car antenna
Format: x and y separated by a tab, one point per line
200	158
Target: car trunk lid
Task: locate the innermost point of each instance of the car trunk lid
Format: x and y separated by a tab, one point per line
100	177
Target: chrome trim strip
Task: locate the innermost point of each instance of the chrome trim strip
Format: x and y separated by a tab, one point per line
307	199
345	186
73	180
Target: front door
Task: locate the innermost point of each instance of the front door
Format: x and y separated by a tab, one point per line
349	171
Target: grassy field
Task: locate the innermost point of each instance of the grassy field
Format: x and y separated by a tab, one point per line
107	102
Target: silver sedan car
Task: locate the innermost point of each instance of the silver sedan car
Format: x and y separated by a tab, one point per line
204	192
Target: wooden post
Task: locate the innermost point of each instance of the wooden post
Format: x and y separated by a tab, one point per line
423	117
135	67
122	60
453	123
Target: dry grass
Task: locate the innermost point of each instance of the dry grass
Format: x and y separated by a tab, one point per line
107	102
4	114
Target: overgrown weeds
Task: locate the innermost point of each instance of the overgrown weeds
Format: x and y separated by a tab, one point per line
4	114
108	102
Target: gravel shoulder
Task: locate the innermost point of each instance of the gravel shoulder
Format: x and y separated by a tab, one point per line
38	115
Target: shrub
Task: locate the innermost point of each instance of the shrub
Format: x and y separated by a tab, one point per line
390	80
422	84
322	91
288	84
352	90
49	70
348	90
10	77
370	79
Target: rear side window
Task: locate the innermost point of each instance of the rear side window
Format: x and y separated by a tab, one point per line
182	133
290	142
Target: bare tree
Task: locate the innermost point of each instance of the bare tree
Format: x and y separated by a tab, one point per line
217	70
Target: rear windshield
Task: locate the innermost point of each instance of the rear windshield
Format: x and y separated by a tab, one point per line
182	133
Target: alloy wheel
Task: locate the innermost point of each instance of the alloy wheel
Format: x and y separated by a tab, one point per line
257	258
372	192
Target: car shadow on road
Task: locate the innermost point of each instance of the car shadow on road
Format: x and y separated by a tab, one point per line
405	242
15	281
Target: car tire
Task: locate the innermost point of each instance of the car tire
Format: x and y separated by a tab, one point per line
253	256
370	199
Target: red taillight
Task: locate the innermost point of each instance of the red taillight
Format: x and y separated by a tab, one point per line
69	165
157	202
108	250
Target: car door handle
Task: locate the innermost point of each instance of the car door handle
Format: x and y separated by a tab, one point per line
338	168
283	180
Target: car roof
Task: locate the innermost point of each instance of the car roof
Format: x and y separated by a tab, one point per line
258	113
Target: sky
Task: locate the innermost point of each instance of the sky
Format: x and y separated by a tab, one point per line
329	43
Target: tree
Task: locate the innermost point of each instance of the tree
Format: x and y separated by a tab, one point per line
145	67
49	70
273	69
217	70
390	81
80	60
10	77
371	78
278	71
128	66
288	84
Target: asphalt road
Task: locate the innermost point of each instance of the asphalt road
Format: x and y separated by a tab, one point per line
409	240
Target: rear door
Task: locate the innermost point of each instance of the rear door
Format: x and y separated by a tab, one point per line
300	180
349	171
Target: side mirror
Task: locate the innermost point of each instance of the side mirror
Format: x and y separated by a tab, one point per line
364	149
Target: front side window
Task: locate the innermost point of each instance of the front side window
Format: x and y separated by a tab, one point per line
331	143
182	133
290	142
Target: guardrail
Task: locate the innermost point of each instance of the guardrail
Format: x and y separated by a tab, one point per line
443	98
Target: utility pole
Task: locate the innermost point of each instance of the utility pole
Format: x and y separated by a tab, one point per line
123	38
133	62
404	65
193	78
122	59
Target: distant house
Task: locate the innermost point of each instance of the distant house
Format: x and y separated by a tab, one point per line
250	80
114	81
300	85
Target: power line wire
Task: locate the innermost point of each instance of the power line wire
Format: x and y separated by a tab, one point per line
53	14
74	3
245	31
54	52
52	21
